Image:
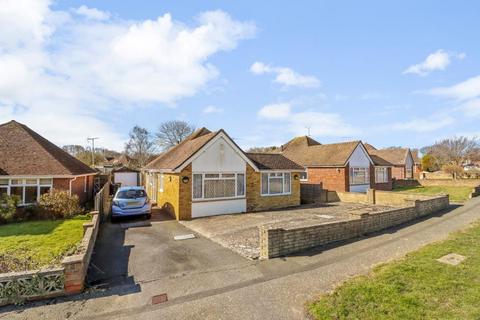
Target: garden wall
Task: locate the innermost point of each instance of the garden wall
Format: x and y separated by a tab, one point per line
451	182
281	240
16	287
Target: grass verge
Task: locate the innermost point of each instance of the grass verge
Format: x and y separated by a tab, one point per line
457	194
417	287
36	244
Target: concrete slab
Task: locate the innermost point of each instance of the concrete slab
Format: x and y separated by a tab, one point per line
452	259
239	232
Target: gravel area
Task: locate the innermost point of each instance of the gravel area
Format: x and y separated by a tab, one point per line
239	232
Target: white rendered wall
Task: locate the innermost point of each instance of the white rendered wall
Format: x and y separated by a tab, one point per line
219	157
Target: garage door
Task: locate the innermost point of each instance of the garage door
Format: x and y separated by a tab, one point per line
126	179
214	208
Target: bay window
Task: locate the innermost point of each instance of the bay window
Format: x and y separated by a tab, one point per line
28	190
218	185
276	183
359	175
381	174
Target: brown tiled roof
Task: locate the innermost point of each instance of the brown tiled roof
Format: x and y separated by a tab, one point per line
303	141
379	161
273	161
369	147
396	156
25	152
325	155
176	156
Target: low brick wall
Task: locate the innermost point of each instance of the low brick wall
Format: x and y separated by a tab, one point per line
282	240
16	287
405	183
475	192
76	266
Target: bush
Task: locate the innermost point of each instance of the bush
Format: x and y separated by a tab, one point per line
59	204
8	207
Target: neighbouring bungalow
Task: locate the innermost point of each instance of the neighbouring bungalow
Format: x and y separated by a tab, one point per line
401	158
30	166
345	166
417	164
383	173
208	174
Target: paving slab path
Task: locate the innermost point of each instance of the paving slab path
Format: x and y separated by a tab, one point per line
225	286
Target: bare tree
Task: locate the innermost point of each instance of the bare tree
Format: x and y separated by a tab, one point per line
173	132
454	151
73	149
140	146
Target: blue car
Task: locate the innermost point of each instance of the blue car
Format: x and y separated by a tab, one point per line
131	201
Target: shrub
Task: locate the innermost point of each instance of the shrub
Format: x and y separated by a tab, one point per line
59	204
8	207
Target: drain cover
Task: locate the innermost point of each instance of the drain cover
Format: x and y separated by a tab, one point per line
452	259
184	236
161	298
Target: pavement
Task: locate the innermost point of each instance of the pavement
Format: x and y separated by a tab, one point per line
239	232
204	280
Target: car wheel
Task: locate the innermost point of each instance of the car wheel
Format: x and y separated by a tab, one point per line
149	216
113	219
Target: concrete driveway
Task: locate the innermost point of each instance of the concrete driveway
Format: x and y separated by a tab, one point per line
239	232
233	287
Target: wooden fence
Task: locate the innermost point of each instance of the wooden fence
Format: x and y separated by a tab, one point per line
102	202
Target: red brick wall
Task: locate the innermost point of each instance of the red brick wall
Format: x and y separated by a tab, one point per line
398	172
78	187
334	179
387	186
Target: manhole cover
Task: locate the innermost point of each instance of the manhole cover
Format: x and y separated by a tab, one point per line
452	259
159	298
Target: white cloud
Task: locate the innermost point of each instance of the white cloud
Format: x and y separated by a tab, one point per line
465	90
320	123
275	111
100	67
212	109
285	76
91	13
423	125
438	60
471	108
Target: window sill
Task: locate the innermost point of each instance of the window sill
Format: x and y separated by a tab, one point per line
276	194
217	199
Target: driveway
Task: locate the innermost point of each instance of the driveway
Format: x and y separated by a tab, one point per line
232	287
239	232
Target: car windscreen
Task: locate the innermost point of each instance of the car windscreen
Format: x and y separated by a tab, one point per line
131	194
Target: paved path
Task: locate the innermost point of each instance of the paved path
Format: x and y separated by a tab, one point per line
275	289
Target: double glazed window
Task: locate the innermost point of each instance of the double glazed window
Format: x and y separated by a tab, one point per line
409	173
304	176
359	175
28	190
381	175
218	185
276	183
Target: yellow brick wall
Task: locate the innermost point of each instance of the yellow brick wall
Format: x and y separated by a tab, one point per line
168	200
185	199
257	202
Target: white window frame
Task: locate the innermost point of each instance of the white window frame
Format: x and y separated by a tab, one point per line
306	176
235	178
268	194
407	170
367	175
384	174
24	184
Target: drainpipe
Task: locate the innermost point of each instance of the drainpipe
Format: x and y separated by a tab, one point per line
70	185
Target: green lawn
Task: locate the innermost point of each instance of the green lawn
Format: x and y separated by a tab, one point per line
35	244
457	194
417	287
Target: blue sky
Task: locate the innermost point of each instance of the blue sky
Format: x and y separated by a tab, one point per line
390	74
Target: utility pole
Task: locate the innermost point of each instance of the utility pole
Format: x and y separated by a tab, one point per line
93	149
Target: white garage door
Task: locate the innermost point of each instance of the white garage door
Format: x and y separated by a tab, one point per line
126	179
213	208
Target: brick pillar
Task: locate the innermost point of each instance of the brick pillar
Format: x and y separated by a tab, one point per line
371	196
74	275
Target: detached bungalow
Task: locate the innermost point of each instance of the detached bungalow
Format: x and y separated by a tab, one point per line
30	166
345	166
208	174
400	158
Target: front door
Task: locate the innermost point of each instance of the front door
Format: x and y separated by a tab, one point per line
153	186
